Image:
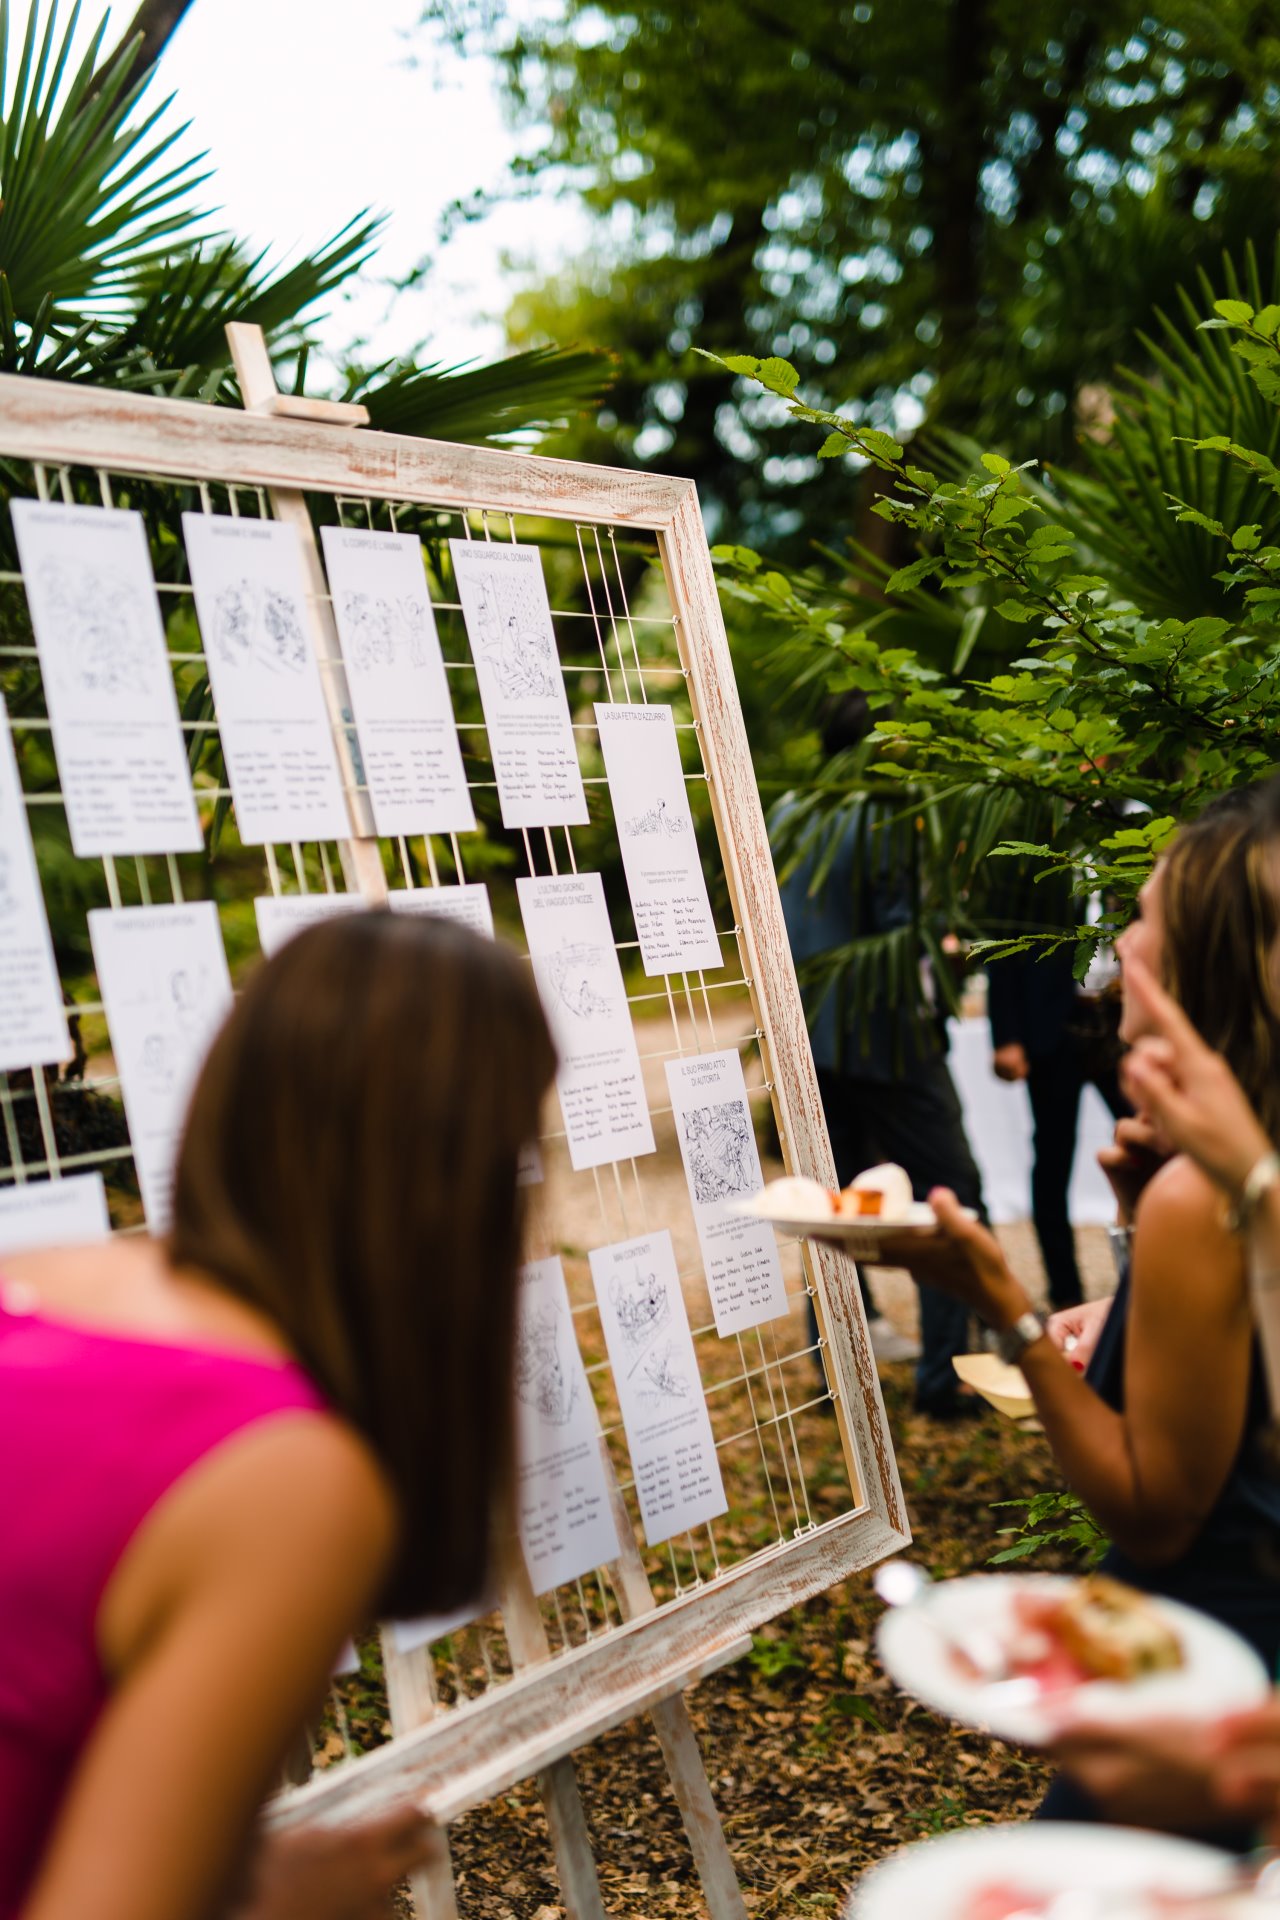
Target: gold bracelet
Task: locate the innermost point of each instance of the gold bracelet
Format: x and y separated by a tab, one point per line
1262	1176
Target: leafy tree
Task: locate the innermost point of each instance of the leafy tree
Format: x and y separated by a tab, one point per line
956	213
1121	716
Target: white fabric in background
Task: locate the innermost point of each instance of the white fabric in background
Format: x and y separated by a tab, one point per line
997	1118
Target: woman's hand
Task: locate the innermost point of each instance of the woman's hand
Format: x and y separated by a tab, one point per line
1075	1330
1136	1152
1247	1769
337	1873
962	1258
1179	1775
1158	1773
1189	1090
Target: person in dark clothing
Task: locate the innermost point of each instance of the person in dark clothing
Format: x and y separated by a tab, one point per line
882	1070
1057	1036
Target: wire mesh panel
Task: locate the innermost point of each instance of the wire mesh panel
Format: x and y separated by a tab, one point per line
636	624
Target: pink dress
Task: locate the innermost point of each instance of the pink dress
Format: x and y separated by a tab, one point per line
95	1429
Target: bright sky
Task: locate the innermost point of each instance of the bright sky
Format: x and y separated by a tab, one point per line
313	109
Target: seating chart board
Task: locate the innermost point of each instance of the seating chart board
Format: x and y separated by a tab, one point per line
607	607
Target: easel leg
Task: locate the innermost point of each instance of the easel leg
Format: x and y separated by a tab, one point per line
676	1737
575	1863
698	1810
432	1885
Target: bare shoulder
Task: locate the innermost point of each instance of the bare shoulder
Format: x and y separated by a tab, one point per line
296	1506
299	1475
1180	1197
1183	1249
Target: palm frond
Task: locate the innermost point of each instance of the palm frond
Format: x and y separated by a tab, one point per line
533	390
88	192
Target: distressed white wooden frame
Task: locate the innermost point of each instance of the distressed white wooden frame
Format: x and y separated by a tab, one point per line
474	1751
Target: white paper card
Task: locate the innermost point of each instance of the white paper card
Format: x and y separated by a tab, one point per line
251	602
166	990
397	681
668	1429
564	1513
722	1167
107	680
529	1172
468	903
406	1635
575	963
655	831
280	916
33	1026
53	1213
526	712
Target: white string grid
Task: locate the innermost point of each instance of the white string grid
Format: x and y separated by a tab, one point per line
617	642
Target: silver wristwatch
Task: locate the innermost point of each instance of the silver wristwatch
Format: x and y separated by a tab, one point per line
1012	1342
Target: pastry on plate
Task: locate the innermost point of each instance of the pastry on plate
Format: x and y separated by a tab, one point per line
796	1197
1106	1630
881	1193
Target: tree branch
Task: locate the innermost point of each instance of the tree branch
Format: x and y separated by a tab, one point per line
157	21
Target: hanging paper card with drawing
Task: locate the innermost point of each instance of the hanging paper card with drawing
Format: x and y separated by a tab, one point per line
396	678
107	680
660	857
33	1026
526	712
166	990
601	1088
722	1167
251	602
668	1429
565	1516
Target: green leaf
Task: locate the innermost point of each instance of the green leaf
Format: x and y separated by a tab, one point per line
911	576
780	375
883	445
1245	539
995	463
834	445
745	559
1237	313
1016	610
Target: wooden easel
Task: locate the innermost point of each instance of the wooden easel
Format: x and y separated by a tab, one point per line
452	1759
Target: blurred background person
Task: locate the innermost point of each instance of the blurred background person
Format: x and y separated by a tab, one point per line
882	1070
1058	1036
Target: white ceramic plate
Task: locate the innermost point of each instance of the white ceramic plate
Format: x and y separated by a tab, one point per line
937	1879
862	1237
1221	1673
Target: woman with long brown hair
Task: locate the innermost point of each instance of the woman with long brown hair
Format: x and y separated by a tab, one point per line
1160	1438
225	1450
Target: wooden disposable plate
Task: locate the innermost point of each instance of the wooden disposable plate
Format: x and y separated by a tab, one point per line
1002	1385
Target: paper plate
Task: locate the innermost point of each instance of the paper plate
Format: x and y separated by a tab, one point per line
939	1879
862	1237
1221	1672
1003	1386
